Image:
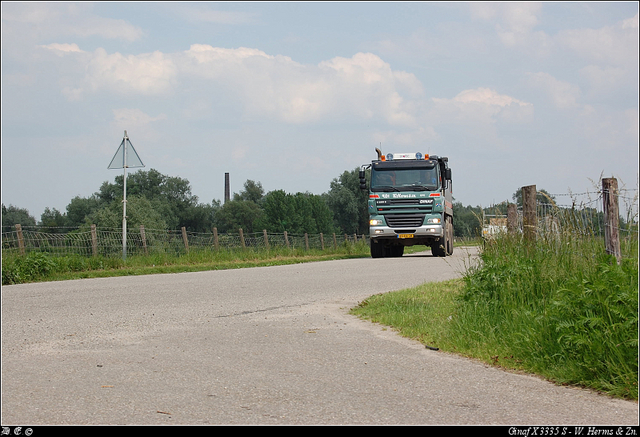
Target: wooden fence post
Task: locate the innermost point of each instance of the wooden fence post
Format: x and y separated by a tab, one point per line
529	216
512	218
20	239
266	239
611	217
215	238
94	240
335	242
242	238
286	239
144	240
306	241
184	238
321	241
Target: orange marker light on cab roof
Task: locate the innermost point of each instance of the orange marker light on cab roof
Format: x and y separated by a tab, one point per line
426	156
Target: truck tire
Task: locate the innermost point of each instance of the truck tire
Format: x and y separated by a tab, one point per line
449	240
377	249
438	248
396	251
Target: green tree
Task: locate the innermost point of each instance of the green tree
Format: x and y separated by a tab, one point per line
80	207
53	218
140	211
278	212
12	215
349	203
236	214
252	192
466	220
171	197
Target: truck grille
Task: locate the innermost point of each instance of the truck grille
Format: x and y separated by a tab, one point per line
418	205
404	220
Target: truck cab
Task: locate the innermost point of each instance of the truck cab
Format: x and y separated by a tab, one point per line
410	203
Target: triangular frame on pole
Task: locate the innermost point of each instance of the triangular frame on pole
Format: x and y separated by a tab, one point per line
123	159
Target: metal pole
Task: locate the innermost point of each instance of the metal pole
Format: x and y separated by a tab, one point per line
124	202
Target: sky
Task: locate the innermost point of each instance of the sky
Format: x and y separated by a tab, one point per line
291	95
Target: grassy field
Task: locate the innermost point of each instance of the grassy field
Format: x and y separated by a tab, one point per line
38	266
561	309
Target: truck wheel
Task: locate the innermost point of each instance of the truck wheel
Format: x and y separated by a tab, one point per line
449	243
396	251
438	249
377	249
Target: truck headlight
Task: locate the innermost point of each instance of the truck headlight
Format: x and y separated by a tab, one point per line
433	220
375	222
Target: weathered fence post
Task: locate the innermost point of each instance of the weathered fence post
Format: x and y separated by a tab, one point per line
611	217
266	239
242	238
94	240
335	242
144	240
215	238
306	241
529	216
20	238
321	241
184	238
512	218
286	239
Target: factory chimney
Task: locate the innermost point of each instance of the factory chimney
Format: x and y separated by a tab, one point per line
227	194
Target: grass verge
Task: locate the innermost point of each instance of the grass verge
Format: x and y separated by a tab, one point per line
39	266
561	309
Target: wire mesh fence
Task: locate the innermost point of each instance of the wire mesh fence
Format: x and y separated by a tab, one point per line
572	218
108	241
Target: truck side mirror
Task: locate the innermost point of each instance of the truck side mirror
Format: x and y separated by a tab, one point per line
363	182
447	174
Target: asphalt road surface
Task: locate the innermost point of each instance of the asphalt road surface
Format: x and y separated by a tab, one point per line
268	345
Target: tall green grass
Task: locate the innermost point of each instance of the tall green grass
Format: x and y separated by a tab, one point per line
559	307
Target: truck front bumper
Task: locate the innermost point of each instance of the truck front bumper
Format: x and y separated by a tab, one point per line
430	232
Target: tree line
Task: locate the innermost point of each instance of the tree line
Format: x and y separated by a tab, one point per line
159	201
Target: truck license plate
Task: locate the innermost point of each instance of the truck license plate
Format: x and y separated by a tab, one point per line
405	235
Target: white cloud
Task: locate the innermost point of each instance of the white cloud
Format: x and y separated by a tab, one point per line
363	86
481	105
616	45
604	81
62	49
563	95
513	21
147	74
630	23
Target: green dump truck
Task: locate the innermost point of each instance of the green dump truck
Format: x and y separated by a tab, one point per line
410	203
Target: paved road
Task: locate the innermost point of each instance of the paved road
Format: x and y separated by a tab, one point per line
269	345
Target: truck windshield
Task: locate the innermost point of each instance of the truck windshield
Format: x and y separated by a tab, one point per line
404	179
